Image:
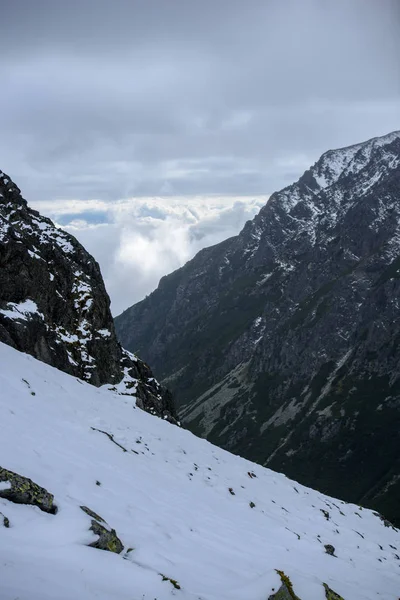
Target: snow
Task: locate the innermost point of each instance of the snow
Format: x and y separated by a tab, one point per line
64	244
168	498
22	310
130	355
82	294
336	163
48	233
3	229
333	163
104	332
65	336
127	385
34	255
264	279
384	140
82	291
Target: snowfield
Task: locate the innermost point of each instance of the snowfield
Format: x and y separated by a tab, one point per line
180	506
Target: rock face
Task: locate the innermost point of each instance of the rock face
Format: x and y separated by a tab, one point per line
282	344
53	305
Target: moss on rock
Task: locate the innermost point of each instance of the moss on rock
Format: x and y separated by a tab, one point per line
107	538
92	514
26	491
330	594
286	591
6	521
172	581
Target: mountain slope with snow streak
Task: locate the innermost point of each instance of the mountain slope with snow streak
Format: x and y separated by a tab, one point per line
182	508
282	344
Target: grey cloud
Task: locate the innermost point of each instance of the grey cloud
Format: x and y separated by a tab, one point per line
88	218
107	99
145	238
103	100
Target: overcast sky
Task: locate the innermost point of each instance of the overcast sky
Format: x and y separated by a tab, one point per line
108	100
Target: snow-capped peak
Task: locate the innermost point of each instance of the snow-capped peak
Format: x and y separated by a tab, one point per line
351	159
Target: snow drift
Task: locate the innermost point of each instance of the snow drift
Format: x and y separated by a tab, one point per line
195	522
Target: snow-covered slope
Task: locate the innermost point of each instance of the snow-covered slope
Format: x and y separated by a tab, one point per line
181	507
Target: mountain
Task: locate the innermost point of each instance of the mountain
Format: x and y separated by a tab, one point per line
54	306
282	344
102	500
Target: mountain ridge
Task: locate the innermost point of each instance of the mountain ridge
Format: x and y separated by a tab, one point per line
281	344
54	305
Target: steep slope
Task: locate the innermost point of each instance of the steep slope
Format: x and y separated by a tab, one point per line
185	519
282	344
53	304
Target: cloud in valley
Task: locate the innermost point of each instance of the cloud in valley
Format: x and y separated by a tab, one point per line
138	240
183	100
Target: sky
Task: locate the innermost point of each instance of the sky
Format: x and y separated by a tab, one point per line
138	112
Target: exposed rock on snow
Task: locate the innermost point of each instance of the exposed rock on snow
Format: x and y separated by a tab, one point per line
107	538
22	490
6	522
286	591
330	594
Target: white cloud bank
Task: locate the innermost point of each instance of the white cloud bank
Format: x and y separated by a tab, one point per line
138	240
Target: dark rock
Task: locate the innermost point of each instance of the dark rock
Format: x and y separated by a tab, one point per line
107	538
386	522
25	491
54	306
92	514
172	581
6	521
329	549
282	344
286	591
330	594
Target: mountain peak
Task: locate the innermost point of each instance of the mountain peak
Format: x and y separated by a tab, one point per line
350	159
9	192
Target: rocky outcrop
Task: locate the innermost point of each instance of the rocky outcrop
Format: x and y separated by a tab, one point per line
107	538
6	521
54	306
286	591
330	594
282	344
21	490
